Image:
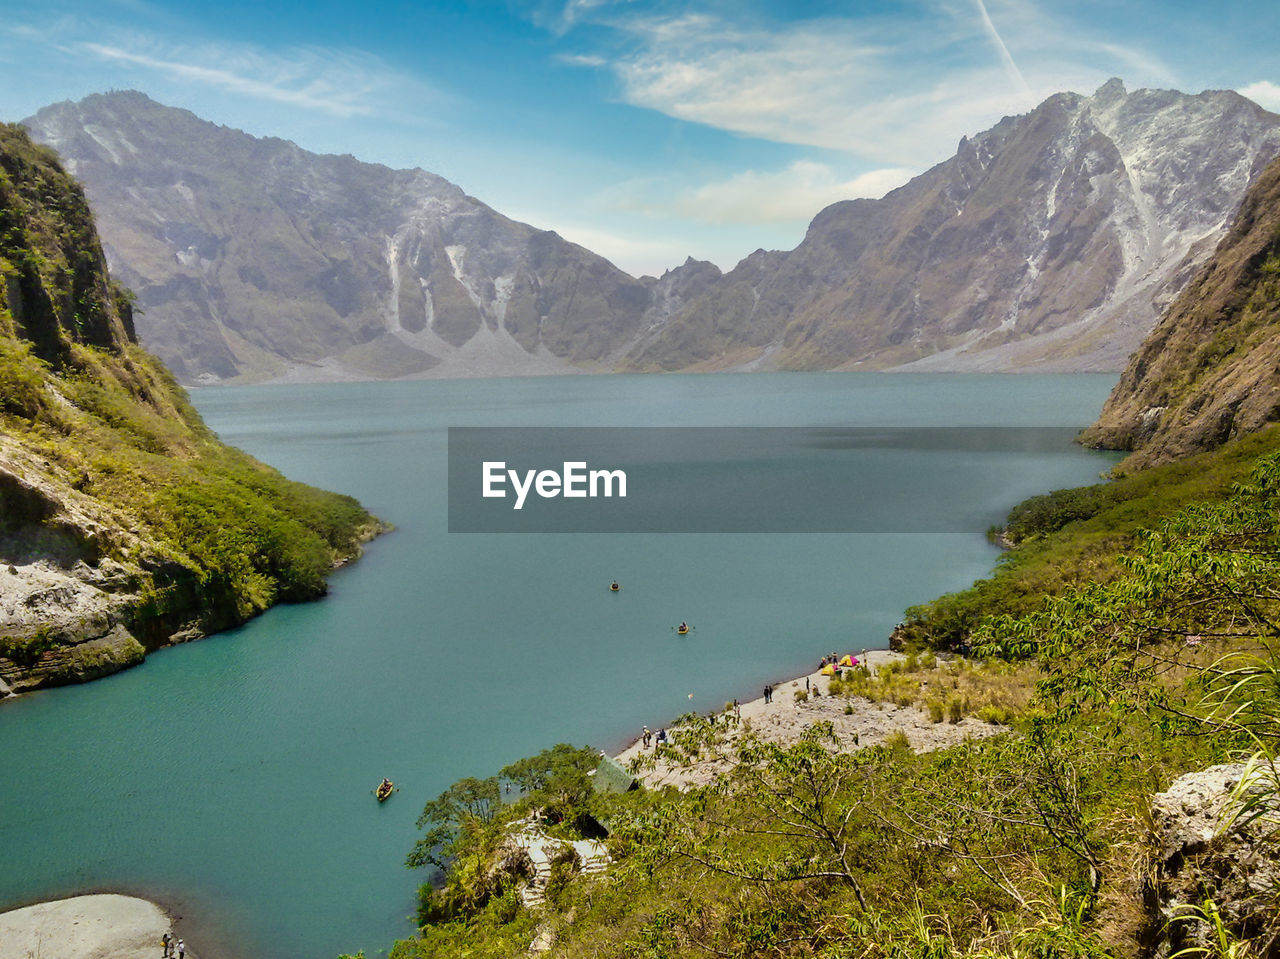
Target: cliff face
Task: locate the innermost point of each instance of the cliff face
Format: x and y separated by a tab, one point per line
254	259
1051	241
124	524
1210	370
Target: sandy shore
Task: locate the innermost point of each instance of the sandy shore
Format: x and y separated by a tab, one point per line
103	926
784	719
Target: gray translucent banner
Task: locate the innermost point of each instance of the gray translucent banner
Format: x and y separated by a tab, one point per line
745	479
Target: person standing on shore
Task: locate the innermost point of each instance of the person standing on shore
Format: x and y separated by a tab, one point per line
648	737
768	694
166	941
182	949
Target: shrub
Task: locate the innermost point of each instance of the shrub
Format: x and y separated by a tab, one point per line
21	378
897	741
995	715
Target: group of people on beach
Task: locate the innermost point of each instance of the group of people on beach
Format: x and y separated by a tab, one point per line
172	947
648	737
833	659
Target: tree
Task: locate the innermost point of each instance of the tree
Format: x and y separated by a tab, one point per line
557	780
797	812
456	818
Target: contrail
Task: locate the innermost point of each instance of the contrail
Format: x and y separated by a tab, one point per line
1010	67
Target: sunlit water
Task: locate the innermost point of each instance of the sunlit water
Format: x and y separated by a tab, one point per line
232	778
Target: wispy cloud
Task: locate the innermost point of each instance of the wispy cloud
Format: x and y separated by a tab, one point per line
790	195
1264	93
341	83
1015	75
898	89
631	253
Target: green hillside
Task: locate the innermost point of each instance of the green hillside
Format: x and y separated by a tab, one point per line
124	523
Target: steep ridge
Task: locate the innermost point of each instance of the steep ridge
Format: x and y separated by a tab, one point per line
1210	370
1050	241
255	259
124	524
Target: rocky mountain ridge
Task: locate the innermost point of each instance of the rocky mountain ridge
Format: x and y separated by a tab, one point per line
124	524
1051	241
255	259
1210	370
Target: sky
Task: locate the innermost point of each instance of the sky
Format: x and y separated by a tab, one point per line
644	130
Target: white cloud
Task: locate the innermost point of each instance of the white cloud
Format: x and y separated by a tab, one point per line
635	256
337	82
796	193
1264	93
340	83
582	60
1006	58
901	90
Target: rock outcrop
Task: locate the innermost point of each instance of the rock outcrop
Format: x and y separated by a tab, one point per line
1210	370
1209	860
124	524
1051	241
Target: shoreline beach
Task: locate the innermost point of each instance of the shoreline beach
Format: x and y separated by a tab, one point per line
784	718
95	926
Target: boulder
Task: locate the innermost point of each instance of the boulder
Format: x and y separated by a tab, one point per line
1209	854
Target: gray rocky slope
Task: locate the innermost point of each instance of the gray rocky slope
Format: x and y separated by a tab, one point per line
255	259
1051	241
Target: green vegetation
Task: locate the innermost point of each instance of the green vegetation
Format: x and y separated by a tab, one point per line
102	456
993	690
1078	536
468	824
1028	845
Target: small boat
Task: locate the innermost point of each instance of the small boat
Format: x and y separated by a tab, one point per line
682	628
614	587
385	789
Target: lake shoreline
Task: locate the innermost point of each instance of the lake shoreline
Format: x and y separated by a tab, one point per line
796	704
101	925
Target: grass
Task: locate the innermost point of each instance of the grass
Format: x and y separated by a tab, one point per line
947	688
1078	536
127	470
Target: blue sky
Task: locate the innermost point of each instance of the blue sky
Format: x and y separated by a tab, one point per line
647	131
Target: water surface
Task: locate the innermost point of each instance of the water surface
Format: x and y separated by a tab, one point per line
233	776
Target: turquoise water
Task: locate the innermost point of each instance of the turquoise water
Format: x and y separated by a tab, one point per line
232	777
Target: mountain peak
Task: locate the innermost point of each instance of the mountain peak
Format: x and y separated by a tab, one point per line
1113	89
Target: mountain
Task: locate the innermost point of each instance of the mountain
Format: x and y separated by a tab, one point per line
1210	370
255	259
1051	241
124	524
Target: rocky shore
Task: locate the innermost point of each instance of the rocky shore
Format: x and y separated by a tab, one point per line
787	715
